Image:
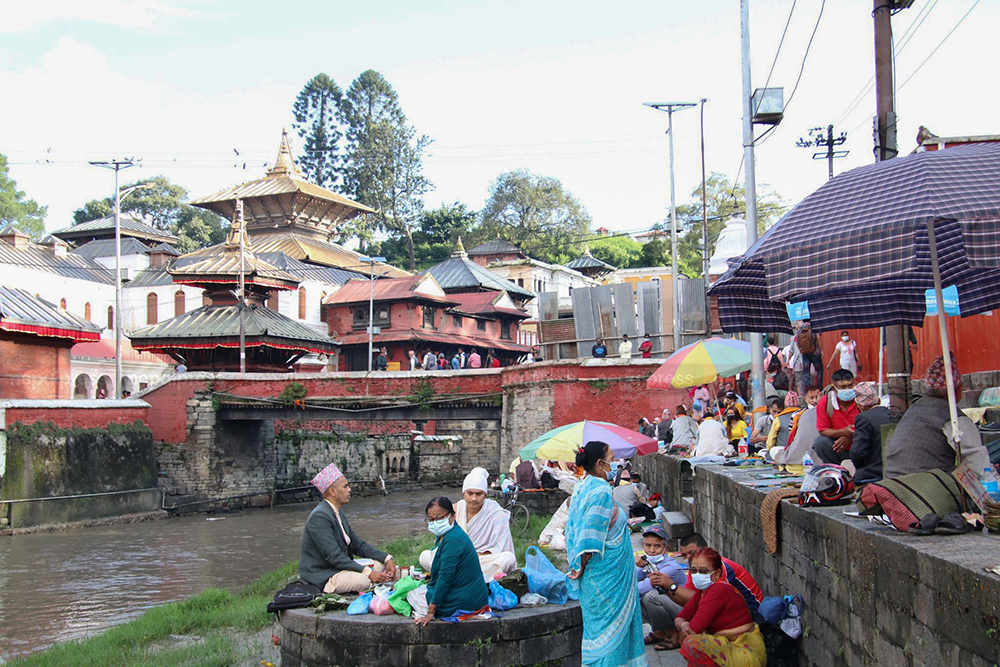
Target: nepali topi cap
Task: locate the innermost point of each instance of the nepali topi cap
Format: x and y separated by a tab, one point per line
326	477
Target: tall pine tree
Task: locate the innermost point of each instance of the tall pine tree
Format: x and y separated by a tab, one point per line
317	112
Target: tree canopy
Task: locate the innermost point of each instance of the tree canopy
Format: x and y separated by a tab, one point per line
163	206
16	209
317	121
434	239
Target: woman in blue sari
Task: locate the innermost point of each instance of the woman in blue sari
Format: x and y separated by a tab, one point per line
602	566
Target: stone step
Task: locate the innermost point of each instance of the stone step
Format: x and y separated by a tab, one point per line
164	481
676	524
687	506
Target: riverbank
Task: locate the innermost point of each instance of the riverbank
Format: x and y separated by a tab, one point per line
217	626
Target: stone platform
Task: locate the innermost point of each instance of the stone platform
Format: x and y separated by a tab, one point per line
547	635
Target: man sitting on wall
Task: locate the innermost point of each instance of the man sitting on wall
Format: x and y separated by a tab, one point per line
487	525
329	546
654	547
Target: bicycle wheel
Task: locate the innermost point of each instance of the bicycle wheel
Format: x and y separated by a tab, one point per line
519	517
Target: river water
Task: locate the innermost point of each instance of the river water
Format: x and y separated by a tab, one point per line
71	584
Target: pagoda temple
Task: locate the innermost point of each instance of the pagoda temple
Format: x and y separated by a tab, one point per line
208	339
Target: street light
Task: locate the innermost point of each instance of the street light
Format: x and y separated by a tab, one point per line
670	107
371	303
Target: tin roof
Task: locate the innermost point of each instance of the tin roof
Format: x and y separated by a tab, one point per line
41	258
316	272
486	303
152	278
587	261
103	228
228	262
106	248
459	272
219	326
167	249
391	289
22	312
497	246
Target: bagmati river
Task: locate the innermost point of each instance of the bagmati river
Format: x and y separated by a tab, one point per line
67	585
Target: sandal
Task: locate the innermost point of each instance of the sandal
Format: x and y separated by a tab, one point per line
953	524
666	646
925	526
651	638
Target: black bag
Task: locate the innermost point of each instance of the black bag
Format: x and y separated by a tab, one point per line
548	481
295	595
781	649
780	381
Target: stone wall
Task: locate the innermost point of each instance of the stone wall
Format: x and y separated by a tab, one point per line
873	596
300	453
42	460
435	457
480	441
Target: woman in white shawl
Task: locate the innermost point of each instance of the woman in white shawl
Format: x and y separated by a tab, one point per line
486	523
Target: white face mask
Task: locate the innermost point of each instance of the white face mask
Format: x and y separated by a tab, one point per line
701	581
439	527
845	338
655	560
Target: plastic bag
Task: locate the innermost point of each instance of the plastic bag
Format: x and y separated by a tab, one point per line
532	600
398	597
543	577
417	599
791	623
380	602
360	606
501	598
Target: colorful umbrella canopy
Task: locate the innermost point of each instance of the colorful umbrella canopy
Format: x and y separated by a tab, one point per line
701	362
562	444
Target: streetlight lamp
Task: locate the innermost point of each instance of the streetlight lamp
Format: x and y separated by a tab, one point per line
371	303
670	107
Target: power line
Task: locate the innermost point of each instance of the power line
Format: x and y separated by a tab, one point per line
940	44
806	55
774	62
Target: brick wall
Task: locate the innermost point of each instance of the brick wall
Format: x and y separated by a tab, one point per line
873	596
34	368
82	414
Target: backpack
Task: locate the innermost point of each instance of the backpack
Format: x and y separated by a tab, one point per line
780	380
806	342
774	364
294	595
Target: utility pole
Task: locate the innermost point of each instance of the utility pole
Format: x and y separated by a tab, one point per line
823	138
896	344
242	300
117	165
669	107
756	340
706	260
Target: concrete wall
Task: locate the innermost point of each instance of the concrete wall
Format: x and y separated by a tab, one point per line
873	596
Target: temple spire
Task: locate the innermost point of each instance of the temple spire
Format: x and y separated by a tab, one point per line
284	163
459	249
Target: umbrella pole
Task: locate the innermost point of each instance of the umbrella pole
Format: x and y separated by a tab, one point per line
956	434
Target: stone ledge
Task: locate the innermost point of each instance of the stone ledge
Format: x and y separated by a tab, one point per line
522	637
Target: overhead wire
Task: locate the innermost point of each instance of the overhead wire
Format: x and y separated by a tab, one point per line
940	44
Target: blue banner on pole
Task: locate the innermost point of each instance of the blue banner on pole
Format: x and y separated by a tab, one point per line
951	305
798	311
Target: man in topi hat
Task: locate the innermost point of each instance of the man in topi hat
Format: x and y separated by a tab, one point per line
329	546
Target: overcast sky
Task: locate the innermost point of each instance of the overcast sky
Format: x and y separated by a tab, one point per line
556	87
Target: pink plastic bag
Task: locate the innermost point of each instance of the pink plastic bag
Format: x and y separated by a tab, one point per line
380	605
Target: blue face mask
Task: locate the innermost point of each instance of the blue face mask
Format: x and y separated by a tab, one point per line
611	473
439	527
701	581
845	394
655	560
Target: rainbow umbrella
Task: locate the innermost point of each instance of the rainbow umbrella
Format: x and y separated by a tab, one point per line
701	363
562	444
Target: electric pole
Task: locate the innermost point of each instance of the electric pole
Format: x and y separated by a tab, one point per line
705	259
823	138
670	107
896	343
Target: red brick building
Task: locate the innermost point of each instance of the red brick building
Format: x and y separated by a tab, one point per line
35	340
415	314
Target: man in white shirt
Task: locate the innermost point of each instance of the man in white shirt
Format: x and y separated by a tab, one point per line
625	348
413	360
685	429
712	440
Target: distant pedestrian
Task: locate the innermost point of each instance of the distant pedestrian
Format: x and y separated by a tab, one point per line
443	362
600	350
182	368
381	362
684	428
412	357
489	359
475	361
848	350
625	348
812	355
430	361
462	358
495	363
646	347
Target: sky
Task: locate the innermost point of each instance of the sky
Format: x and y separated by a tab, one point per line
554	87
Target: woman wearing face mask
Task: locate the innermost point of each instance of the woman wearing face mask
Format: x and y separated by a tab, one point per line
456	579
736	428
716	625
602	567
848	350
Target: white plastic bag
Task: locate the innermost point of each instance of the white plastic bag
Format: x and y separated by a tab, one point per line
418	600
533	599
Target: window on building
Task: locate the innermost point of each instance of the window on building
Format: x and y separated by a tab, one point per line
505	329
86	311
322	310
178	303
62	303
152	306
111	317
520	282
481	325
456	320
429	317
302	303
382	319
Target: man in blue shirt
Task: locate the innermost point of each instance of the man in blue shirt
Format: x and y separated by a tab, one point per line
657	608
599	351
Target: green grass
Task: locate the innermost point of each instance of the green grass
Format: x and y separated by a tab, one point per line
220	622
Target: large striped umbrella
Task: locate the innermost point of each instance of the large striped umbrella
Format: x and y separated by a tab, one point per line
562	443
701	363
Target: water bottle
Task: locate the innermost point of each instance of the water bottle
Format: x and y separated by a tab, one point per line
990	484
807	463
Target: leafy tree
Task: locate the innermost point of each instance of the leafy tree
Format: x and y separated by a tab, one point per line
317	111
435	238
163	206
384	161
23	214
621	252
536	213
656	253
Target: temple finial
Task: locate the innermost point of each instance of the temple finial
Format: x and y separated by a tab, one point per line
284	163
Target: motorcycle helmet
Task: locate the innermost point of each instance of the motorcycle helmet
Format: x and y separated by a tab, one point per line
826	484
